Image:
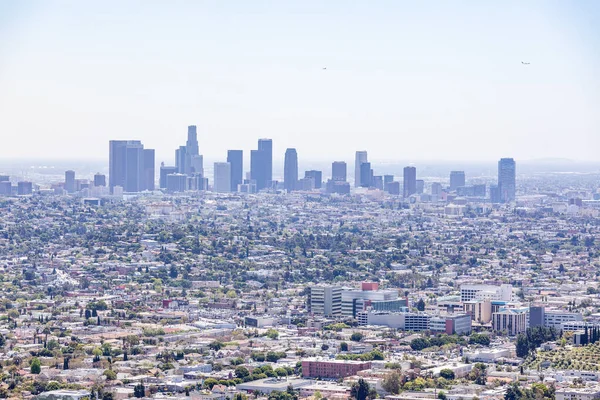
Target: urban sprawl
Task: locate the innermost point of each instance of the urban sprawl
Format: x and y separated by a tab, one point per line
246	287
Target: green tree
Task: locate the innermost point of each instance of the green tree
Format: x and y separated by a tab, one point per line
241	372
447	373
139	390
210	383
361	390
36	366
110	374
392	383
343	346
420	305
356	337
273	334
419	344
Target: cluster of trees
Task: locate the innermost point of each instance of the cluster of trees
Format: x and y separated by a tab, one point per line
395	382
538	391
479	338
336	327
533	338
439	340
270	356
266	371
370	356
590	336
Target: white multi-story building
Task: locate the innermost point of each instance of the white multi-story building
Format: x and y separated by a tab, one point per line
222	182
556	318
407	321
586	393
354	301
471	292
511	320
325	300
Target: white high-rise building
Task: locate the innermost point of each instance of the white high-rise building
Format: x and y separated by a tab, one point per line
503	292
222	179
361	157
325	300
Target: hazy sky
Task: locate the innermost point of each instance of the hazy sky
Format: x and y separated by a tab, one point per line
410	80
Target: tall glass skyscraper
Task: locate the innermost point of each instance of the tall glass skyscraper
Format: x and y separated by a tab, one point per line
360	158
290	170
338	171
457	179
70	181
507	180
410	181
261	164
236	159
129	166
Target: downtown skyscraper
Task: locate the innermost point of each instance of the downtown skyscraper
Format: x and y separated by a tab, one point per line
290	170
130	166
338	171
457	179
410	181
507	180
188	160
360	158
236	159
261	164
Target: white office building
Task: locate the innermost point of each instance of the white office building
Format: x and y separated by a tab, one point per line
325	300
222	181
471	292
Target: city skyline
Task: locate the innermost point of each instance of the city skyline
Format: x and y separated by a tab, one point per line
451	86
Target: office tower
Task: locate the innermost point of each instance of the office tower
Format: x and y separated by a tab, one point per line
4	178
164	171
378	182
99	179
180	157
70	181
266	146
420	186
479	190
387	180
457	179
366	175
306	184
5	188
338	187
236	159
338	171
506	180
360	158
436	189
256	169
196	182
325	300
410	181
290	170
24	188
495	194
261	164
394	188
149	169
191	145
222	178
127	166
176	183
316	176
197	165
